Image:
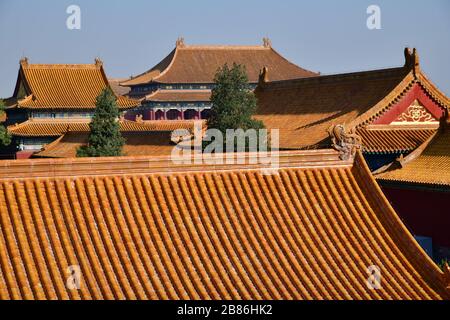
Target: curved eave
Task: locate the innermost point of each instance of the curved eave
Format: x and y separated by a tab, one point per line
415	252
151	74
416	185
386	152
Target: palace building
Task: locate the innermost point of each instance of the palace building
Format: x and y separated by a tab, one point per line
52	106
394	110
179	87
61	138
145	228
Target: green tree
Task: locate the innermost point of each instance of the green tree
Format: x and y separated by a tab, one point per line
104	138
233	101
5	137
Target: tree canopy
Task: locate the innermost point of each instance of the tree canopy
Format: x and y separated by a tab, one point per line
5	137
104	138
233	101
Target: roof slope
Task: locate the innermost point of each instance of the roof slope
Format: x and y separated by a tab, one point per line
304	109
198	64
393	140
155	143
141	227
117	88
40	127
63	86
429	165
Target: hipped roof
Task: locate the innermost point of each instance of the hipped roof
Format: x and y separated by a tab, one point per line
198	64
63	86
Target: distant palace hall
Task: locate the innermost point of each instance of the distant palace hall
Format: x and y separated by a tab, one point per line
179	87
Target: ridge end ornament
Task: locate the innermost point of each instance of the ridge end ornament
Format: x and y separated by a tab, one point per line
346	142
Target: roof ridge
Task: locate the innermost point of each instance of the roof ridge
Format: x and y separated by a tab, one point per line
61	65
28	168
386	102
319	78
224	47
24	63
171	55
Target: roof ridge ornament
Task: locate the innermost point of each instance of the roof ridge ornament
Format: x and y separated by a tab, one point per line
24	62
180	42
346	142
263	75
98	62
267	43
412	59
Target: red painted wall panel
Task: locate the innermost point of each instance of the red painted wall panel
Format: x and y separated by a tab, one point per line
416	92
24	154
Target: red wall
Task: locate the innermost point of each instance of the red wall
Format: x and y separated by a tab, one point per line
24	154
426	213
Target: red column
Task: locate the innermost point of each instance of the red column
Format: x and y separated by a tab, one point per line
182	114
165	115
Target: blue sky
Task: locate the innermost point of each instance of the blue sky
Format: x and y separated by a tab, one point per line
131	36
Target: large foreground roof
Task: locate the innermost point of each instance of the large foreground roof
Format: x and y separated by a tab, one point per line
198	64
62	86
142	227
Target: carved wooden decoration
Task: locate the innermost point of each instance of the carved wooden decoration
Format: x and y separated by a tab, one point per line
345	142
416	113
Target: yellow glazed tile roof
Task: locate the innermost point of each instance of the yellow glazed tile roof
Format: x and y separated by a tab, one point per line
393	140
144	228
73	86
432	166
199	63
54	127
155	143
304	109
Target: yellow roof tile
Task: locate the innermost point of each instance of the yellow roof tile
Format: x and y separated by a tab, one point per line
73	86
198	64
55	127
393	140
431	166
144	228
